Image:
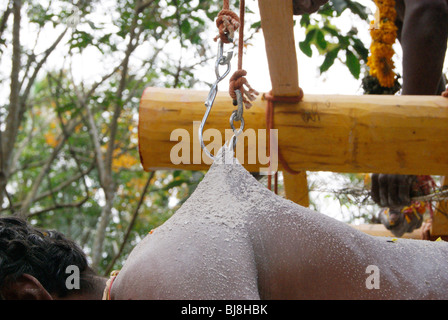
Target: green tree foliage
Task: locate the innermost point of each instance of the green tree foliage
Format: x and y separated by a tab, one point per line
328	39
69	147
75	159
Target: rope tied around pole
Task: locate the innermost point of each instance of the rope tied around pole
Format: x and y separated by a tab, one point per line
271	99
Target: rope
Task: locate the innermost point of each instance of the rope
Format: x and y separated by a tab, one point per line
228	22
271	99
238	80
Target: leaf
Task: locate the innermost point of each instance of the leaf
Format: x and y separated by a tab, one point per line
93	26
256	25
320	40
185	26
331	30
353	64
306	49
305	20
360	49
339	5
358	9
329	60
326	10
305	44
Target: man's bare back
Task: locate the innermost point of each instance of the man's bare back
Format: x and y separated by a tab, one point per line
234	239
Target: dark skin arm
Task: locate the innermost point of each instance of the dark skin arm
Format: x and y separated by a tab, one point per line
422	33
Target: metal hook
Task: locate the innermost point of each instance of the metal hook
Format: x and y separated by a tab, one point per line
236	132
237	115
221	60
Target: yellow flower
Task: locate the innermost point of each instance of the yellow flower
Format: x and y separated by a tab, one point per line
50	139
381	51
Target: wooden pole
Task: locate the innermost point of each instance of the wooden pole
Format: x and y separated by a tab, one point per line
296	187
277	19
278	30
369	133
439	226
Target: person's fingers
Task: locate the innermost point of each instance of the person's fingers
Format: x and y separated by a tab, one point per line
394	215
404	189
389	190
375	188
407	188
383	190
392	194
445	93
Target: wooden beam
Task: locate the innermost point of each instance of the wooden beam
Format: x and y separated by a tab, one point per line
370	133
278	29
379	230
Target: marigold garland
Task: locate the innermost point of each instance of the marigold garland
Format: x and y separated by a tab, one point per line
384	34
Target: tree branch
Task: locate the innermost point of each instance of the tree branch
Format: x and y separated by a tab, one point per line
60	206
23	212
4	20
13	118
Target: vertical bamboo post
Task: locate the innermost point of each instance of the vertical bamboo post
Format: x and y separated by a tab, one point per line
440	218
278	30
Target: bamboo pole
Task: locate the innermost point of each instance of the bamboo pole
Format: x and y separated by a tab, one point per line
439	226
278	30
277	19
370	133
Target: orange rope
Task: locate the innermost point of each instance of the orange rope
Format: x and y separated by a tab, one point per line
270	125
227	23
241	35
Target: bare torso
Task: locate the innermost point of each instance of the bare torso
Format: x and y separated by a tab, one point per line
234	239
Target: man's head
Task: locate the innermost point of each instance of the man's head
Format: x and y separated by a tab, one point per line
33	264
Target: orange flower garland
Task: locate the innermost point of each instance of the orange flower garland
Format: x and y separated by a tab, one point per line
384	34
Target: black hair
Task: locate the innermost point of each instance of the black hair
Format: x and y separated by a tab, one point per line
43	254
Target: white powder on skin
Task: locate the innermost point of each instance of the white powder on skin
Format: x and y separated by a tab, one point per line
235	239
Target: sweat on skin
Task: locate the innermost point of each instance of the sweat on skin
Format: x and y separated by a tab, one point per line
235	239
